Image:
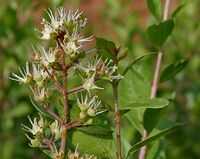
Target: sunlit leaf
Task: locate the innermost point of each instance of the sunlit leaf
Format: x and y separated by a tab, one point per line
155	103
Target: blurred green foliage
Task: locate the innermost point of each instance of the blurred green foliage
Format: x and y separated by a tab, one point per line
18	19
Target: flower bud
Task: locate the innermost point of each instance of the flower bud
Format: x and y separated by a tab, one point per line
70	154
89	122
91	112
35	143
53	126
58	134
39	99
40	84
83	107
82	115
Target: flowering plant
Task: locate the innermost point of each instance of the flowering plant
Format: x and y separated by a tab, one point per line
75	122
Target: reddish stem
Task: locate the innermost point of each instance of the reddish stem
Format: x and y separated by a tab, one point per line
52	113
154	87
54	80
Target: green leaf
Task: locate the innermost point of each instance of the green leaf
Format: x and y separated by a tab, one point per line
97	130
135	118
93	145
155	103
155	7
162	128
135	85
136	60
106	48
157	151
158	34
40	109
177	10
151	117
171	70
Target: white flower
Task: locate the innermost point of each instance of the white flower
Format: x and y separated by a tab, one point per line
26	75
71	47
89	105
58	19
74	17
76	36
74	41
56	129
89	83
103	69
48	56
107	70
37	126
89	65
34	142
39	74
39	95
47	30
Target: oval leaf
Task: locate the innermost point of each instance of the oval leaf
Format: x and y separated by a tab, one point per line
171	70
155	103
163	128
93	145
158	34
97	130
106	48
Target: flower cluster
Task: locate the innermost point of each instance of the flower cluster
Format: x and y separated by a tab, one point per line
48	71
38	130
89	108
65	26
103	69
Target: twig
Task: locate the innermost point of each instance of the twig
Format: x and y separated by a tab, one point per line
65	98
154	87
76	89
54	80
52	113
75	123
117	119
